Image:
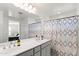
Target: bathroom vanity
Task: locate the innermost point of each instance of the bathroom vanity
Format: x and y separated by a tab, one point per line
29	47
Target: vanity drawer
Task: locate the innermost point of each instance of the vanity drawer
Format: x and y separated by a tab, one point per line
37	54
45	44
36	49
27	53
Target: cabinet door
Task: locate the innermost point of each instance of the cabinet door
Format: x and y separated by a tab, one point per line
44	52
48	50
37	54
36	49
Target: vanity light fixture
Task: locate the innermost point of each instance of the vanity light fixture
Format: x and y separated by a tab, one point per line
58	11
26	6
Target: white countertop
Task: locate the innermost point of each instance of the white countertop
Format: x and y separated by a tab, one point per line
26	44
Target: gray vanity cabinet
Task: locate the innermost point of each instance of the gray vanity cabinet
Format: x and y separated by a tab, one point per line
41	50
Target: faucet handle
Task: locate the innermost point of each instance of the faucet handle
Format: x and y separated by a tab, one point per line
36	35
42	37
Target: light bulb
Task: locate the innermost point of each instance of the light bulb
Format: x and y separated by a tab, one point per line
26	4
30	6
58	12
34	9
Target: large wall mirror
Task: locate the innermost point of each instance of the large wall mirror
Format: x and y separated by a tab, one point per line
13	21
13	30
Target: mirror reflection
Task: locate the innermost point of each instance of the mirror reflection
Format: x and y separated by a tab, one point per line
14	22
13	28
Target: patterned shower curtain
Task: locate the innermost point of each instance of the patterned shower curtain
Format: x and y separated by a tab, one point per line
64	35
63	32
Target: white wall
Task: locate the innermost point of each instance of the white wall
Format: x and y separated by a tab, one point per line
24	28
3	27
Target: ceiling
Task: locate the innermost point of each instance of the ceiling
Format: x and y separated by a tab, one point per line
42	10
51	9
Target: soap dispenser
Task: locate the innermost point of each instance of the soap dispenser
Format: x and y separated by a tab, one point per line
18	42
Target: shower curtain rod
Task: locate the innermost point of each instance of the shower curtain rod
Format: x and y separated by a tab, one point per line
64	17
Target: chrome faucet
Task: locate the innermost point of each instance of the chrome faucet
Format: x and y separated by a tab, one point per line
42	37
